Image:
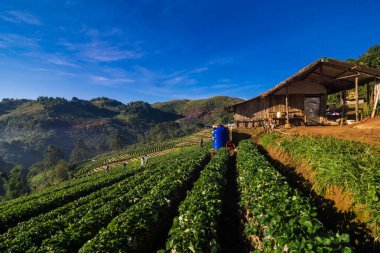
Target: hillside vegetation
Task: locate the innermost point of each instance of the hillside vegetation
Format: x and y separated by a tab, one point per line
202	111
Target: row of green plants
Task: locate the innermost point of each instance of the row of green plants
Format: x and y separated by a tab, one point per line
74	236
353	167
195	229
9	217
122	156
278	217
138	227
76	221
47	191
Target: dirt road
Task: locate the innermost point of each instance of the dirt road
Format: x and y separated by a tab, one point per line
366	132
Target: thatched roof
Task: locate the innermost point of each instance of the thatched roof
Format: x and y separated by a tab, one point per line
336	75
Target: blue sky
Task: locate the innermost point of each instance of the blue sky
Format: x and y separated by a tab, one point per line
162	50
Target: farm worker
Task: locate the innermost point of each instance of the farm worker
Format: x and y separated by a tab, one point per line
231	147
145	160
142	160
124	165
107	168
201	144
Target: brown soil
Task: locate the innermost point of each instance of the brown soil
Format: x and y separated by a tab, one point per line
367	132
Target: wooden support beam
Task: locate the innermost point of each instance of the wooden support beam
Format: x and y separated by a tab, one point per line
377	95
357	99
344	77
287	106
368	98
343	104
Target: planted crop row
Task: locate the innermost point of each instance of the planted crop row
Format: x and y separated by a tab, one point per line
353	167
278	217
23	211
28	235
31	232
50	190
124	155
74	236
138	226
195	229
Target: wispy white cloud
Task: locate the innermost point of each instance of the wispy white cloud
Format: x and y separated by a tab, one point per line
103	45
10	40
225	80
61	62
183	77
180	80
221	61
20	17
109	81
54	71
102	51
198	70
223	85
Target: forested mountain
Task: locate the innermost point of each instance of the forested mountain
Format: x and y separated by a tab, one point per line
202	111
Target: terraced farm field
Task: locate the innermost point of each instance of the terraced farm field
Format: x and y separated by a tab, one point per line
132	155
189	200
63	219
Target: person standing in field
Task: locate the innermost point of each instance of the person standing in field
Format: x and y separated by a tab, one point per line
145	160
142	161
107	168
201	144
124	165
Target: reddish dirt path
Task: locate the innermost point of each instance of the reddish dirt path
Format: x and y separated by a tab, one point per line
366	132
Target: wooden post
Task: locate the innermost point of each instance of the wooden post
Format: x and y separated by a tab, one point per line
287	107
368	94
342	103
357	99
376	100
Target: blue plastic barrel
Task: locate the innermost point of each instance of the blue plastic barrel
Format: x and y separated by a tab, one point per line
220	137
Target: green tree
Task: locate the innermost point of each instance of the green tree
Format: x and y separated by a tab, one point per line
52	155
115	141
371	58
60	172
80	152
16	185
41	180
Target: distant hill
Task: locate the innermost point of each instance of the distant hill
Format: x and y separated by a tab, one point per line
202	111
28	127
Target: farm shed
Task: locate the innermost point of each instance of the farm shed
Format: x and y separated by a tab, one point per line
302	98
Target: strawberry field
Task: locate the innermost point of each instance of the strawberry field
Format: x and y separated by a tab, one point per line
187	200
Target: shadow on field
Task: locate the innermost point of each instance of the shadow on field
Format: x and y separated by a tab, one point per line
160	232
230	230
360	236
239	136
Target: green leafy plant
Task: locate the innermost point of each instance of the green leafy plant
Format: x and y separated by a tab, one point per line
195	229
352	166
278	217
131	230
